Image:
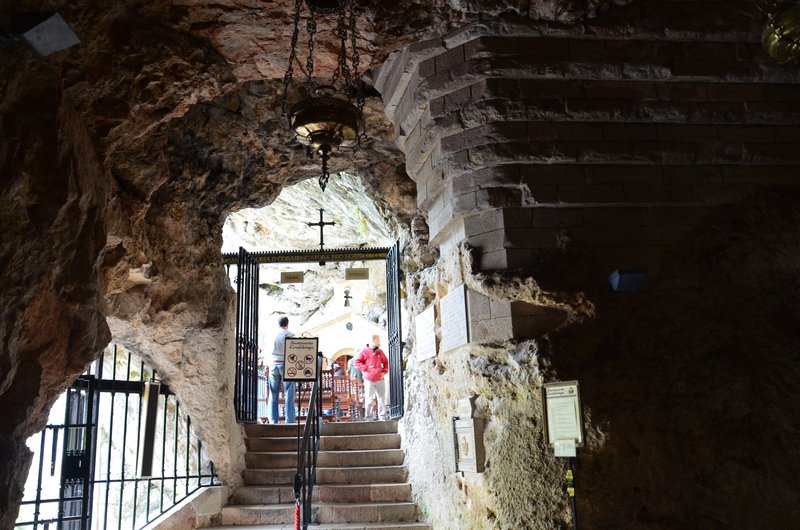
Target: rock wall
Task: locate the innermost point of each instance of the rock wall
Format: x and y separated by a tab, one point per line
687	386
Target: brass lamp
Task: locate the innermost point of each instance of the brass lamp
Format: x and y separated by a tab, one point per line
781	35
330	115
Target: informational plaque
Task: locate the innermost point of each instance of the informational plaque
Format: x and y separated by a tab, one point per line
292	277
470	453
425	335
301	359
468	438
455	322
356	274
563	419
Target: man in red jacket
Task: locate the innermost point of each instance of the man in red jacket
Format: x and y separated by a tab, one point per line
374	365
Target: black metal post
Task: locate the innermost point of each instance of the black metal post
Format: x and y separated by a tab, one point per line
571	492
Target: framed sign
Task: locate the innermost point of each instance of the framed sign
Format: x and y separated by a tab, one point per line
455	319
356	274
300	358
426	334
292	277
563	419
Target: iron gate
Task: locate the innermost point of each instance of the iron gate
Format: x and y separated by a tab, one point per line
246	392
396	405
246	284
84	473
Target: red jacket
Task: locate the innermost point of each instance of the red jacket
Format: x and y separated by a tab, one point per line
372	363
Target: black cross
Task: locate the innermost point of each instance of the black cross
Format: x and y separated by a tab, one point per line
321	224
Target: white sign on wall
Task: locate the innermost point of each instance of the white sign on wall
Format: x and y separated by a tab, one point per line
455	320
563	419
425	324
300	359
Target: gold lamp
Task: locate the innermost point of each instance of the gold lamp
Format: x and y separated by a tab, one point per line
781	35
329	115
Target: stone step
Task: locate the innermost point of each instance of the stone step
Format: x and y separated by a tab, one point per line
327	443
373	512
274	443
286	430
347	428
329	475
376	457
360	442
326	493
333	526
283	430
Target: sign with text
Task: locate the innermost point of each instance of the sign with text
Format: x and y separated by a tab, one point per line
291	277
301	358
425	324
563	419
356	274
455	322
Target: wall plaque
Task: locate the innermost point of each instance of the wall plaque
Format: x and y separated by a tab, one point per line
563	419
300	359
356	274
425	335
291	277
455	320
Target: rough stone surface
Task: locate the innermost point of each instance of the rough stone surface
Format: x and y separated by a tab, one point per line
120	159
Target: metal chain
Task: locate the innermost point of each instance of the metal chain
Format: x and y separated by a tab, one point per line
311	27
287	77
342	31
356	63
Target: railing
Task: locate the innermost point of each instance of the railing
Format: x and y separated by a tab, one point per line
307	450
100	440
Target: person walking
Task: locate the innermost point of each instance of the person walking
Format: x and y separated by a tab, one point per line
374	365
276	376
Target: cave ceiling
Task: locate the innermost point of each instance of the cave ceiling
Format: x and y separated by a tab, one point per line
182	99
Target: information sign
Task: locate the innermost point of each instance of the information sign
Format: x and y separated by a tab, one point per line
426	334
301	359
563	419
292	277
356	274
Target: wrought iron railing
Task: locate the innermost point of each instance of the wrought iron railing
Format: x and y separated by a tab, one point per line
84	474
307	450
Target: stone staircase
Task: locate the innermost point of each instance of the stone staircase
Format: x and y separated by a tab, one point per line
361	480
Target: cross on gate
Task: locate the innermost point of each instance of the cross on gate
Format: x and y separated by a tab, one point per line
321	224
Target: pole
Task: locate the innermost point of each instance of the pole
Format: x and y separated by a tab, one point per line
571	492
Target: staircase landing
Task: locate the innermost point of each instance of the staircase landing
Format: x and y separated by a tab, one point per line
361	480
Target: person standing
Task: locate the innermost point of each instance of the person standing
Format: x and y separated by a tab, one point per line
374	365
276	376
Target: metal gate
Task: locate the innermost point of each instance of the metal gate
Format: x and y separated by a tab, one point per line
396	406
85	473
246	284
246	391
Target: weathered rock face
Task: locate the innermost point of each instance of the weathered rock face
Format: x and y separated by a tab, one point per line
121	158
690	382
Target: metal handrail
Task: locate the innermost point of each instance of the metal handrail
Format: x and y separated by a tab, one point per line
307	450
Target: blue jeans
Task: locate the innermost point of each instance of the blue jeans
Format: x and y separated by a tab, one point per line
275	380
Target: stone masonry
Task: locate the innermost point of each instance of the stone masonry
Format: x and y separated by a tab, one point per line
610	138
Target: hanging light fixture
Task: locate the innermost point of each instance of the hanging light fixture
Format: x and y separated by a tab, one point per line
781	35
330	113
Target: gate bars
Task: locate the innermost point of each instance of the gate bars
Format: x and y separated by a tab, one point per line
84	470
246	391
396	406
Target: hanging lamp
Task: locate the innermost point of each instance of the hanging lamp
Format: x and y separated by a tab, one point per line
330	113
781	35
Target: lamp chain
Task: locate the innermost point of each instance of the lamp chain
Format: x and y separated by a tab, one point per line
287	77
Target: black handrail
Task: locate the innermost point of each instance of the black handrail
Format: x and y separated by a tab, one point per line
308	448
